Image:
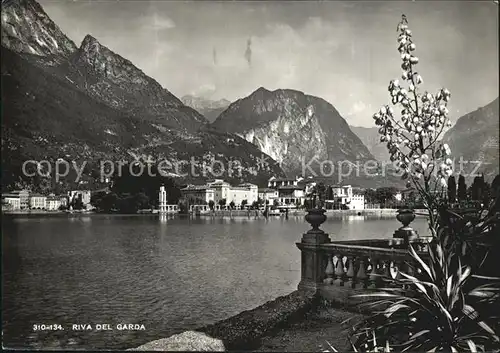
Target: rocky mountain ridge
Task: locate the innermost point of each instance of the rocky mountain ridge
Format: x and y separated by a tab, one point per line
475	139
293	128
90	103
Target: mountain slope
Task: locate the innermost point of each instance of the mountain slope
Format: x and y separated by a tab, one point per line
46	118
293	128
210	109
26	28
371	139
89	104
474	137
103	74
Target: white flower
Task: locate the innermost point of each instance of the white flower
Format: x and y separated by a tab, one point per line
424	165
430	128
449	172
390	110
412	47
443	166
404	76
448	123
396	83
448	161
443	182
446	149
419	79
419	128
414	60
383	110
417	136
411	88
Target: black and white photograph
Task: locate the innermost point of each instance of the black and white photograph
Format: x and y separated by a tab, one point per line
260	176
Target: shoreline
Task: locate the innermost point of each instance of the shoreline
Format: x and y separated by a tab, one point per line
225	213
241	332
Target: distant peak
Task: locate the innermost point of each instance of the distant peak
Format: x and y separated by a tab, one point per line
262	89
89	40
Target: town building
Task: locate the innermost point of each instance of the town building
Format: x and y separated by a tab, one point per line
291	195
201	194
11	201
268	195
23	198
82	195
218	190
347	197
275	183
53	203
37	201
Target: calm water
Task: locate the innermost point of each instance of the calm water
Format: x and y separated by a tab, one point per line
170	275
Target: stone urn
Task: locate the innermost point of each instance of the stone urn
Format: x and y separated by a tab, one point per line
315	217
405	216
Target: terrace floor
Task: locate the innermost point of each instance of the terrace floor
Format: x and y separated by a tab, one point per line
312	333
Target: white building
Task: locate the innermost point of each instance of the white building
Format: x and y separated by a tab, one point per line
12	200
201	194
275	183
291	195
345	198
357	202
218	190
268	195
53	203
38	201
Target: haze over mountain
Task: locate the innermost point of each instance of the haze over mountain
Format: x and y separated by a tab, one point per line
91	104
210	109
371	139
475	138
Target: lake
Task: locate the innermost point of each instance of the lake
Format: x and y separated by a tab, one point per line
169	274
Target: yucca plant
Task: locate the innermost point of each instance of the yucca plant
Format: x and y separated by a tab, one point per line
442	308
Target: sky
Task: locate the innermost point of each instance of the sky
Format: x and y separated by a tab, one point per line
343	52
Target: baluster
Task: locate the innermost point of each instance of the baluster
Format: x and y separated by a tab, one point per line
374	278
339	270
330	271
361	276
350	271
386	272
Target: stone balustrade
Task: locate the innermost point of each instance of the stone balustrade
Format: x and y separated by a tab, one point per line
338	270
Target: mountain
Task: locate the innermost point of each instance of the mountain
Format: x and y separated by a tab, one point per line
474	137
90	104
26	28
210	109
294	129
371	139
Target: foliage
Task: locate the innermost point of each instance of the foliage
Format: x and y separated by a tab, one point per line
222	202
244	203
452	189
444	307
462	188
211	204
232	204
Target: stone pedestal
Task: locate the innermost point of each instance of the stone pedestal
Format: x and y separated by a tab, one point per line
408	234
313	261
